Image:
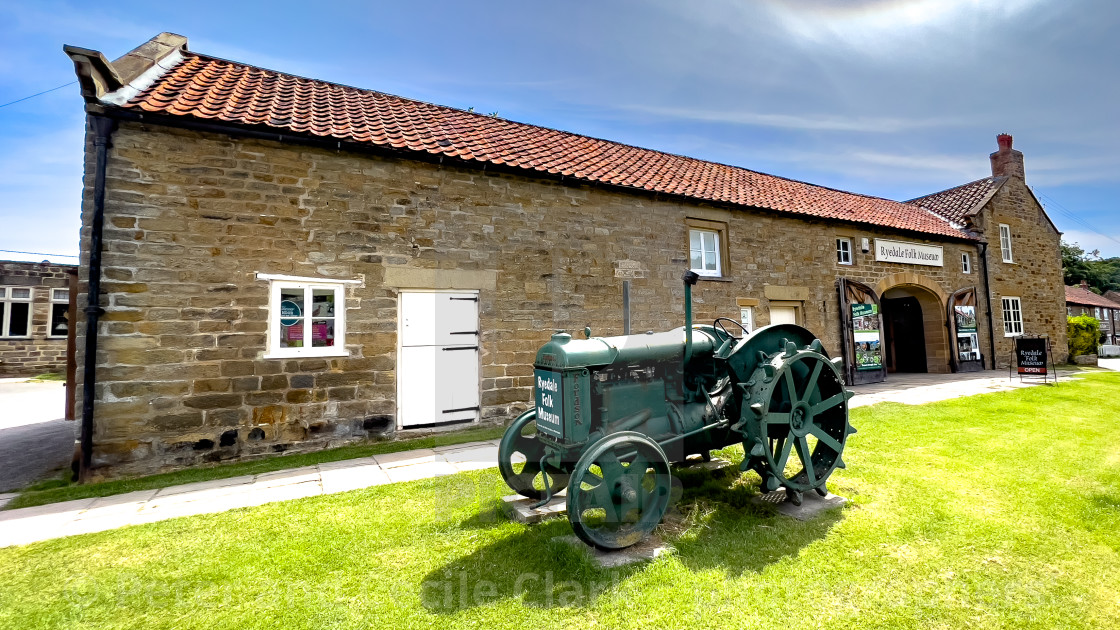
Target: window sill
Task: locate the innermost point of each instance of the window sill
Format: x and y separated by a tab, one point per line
308	355
1007	335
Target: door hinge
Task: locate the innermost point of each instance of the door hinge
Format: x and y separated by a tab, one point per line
470	299
461	348
465	332
462	409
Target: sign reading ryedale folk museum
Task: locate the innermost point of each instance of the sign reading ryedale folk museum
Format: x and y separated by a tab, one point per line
909	253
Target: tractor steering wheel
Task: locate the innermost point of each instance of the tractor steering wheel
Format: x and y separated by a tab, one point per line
721	327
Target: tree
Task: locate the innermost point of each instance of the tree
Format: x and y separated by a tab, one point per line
1102	274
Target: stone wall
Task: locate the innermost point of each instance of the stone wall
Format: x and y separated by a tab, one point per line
192	218
1035	276
39	352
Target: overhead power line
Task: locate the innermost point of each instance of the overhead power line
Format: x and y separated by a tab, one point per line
1069	214
12	251
20	100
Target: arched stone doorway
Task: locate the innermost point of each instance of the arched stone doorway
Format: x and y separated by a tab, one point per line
914	332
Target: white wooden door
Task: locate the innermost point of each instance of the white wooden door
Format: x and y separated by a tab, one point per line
783	315
437	372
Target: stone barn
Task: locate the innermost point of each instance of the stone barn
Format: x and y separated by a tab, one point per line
287	264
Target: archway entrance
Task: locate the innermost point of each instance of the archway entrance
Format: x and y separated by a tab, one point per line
914	330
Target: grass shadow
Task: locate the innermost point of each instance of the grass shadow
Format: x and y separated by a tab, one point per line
530	565
714	523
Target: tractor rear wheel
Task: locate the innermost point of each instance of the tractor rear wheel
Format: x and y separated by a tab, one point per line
798	424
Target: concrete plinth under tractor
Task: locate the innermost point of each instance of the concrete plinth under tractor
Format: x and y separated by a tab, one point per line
611	414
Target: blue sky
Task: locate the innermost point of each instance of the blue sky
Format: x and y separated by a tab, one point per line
883	97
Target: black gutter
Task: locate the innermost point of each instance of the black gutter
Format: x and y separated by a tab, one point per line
988	292
263	132
102	129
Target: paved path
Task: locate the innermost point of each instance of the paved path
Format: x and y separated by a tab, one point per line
18	527
34	440
26	525
919	389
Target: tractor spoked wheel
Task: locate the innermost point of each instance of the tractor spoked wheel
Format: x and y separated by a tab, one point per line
524	475
800	421
620	491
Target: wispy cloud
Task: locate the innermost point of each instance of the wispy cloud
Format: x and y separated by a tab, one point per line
874	27
1108	245
813	122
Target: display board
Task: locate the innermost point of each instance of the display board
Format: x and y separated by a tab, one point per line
967	355
861	323
867	337
1030	355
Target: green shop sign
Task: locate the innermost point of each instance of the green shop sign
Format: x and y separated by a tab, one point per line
862	310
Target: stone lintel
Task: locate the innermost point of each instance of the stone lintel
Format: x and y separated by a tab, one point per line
791	294
416	278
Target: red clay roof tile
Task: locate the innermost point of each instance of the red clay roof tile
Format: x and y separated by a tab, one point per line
206	87
957	204
1077	295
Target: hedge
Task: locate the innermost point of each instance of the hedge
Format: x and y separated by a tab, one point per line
1084	331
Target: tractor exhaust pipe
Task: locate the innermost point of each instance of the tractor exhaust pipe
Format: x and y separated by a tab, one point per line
690	277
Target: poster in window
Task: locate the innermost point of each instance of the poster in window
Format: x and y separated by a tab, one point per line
968	344
865	327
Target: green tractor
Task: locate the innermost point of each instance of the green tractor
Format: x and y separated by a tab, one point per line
611	414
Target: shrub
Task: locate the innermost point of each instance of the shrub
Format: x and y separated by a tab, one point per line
1083	334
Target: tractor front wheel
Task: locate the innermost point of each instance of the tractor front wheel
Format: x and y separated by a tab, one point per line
620	491
519	460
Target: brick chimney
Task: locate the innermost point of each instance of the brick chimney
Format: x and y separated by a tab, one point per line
1085	284
1006	161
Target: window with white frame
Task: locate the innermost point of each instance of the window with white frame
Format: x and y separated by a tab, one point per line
704	252
1069	311
1012	317
844	251
1005	242
306	317
60	313
1097	312
966	263
15	311
746	317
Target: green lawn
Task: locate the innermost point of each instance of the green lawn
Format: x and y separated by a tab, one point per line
995	511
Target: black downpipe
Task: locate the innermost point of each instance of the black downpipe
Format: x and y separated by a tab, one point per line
102	129
988	293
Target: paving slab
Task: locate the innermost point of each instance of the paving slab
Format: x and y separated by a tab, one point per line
6	498
647	550
517	508
347	463
423	470
206	485
406	458
465	446
302	474
128	503
51	509
353	478
812	504
477	458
